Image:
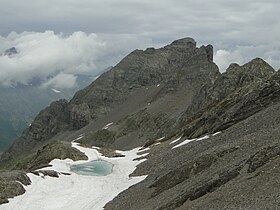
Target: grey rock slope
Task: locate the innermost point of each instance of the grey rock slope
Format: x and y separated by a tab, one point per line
175	91
174	74
237	169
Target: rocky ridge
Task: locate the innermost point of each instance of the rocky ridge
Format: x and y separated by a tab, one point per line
157	95
172	67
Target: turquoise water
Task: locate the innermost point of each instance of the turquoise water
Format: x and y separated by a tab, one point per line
93	168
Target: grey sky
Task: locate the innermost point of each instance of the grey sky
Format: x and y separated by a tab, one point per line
239	30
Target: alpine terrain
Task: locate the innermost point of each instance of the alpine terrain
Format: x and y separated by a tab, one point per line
178	133
20	103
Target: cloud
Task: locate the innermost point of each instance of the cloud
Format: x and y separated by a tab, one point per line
44	55
61	81
47	54
203	19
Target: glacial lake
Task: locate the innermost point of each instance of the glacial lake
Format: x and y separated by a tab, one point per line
93	168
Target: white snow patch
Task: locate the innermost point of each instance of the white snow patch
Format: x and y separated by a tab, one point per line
95	78
56	91
77	191
183	143
144	149
174	141
216	133
143	155
107	126
190	140
157	143
160	138
80	137
202	138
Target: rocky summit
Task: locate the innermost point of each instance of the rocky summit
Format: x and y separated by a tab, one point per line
213	138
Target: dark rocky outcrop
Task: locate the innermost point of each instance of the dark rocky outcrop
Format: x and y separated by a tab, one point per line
236	106
50	173
49	122
11	184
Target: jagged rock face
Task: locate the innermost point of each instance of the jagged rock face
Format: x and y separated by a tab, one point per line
176	72
178	66
258	68
175	63
237	76
49	121
55	116
79	116
251	88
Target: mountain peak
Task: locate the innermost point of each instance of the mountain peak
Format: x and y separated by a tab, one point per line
233	68
184	41
11	51
257	60
259	68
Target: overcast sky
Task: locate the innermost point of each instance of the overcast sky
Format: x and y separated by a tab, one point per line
64	37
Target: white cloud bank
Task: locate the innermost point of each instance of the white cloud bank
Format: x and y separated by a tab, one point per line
61	81
45	55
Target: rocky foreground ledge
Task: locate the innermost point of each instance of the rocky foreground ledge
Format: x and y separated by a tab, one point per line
13	173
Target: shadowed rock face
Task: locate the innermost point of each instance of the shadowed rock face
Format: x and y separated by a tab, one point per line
49	121
243	91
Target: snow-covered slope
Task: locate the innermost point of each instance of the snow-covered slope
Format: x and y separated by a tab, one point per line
76	191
